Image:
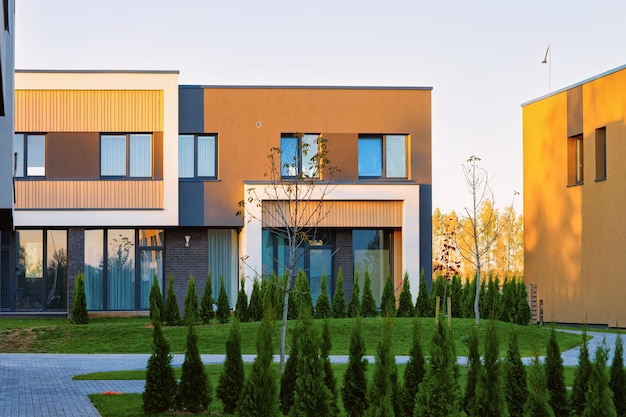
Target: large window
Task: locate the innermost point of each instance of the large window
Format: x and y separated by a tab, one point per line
298	155
372	254
30	155
120	282
126	155
575	160
601	154
197	156
223	260
382	156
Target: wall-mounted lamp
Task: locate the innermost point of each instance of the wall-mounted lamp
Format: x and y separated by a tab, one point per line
187	238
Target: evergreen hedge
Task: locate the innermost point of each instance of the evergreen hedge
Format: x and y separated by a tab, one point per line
368	304
223	308
156	300
354	306
339	299
354	389
255	308
191	302
414	372
79	301
232	377
581	378
161	387
617	381
388	299
171	312
515	385
405	304
555	378
207	313
422	304
322	306
241	308
195	392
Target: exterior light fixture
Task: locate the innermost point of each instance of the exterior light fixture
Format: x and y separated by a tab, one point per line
187	238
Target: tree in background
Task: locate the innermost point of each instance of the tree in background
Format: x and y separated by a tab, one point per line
322	305
156	300
195	392
241	308
388	299
456	295
515	384
354	306
339	299
368	304
599	400
79	301
474	365
422	304
555	378
191	302
232	377
206	303
538	403
223	308
413	373
354	389
161	388
581	378
405	306
255	308
617	382
171	312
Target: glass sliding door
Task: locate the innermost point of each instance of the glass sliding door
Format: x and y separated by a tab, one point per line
56	270
30	270
371	254
223	262
121	269
94	269
150	247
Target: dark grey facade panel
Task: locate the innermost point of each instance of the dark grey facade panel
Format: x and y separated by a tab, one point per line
191	203
191	110
426	232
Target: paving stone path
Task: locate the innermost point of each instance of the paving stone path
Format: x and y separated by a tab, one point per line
41	385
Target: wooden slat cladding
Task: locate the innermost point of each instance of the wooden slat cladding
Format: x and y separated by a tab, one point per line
88	110
336	213
89	194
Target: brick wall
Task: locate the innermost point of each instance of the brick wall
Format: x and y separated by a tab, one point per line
76	260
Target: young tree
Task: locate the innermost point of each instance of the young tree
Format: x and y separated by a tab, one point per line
156	300
223	308
79	301
490	399
292	204
422	305
538	403
368	304
405	307
354	306
161	388
322	306
339	299
171	312
581	378
599	400
206	303
478	231
555	377
329	375
474	365
191	302
354	390
195	392
617	381
241	308
413	373
515	389
255	308
388	299
232	376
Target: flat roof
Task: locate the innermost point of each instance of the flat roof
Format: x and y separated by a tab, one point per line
304	87
595	77
98	71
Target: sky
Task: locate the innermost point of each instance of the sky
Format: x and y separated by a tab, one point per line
482	58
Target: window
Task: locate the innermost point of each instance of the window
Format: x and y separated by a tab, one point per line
371	251
126	155
30	155
298	155
601	154
197	156
575	162
382	156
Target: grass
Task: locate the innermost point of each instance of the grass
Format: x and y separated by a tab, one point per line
111	335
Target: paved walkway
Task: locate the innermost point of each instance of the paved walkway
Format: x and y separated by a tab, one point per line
37	385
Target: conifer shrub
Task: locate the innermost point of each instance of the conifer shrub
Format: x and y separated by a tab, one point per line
191	302
538	403
599	400
161	387
515	383
339	299
508	305
617	381
329	375
303	293
492	299
474	369
223	308
255	308
259	397
490	399
456	293
467	298
354	306
422	304
79	301
171	312
156	300
384	381
195	392
354	389
414	372
368	304
232	377
581	378
241	308
522	310
405	306
439	289
322	306
288	378
207	313
555	377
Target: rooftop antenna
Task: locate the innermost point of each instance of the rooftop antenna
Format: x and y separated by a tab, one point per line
547	59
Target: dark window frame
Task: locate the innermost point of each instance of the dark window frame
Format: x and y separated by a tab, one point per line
575	160
127	135
601	154
299	156
382	138
195	176
24	156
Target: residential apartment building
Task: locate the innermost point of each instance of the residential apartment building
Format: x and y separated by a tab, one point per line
574	195
124	175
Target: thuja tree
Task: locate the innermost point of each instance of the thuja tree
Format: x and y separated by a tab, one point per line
581	378
438	394
255	308
161	388
354	306
206	303
289	376
555	377
456	293
354	389
156	300
522	312
538	403
259	395
385	378
303	293
405	305
617	381
339	298
474	365
490	400
467	298
368	304
191	302
291	205
322	305
388	298
599	400
241	308
492	299
223	308
515	389
508	302
195	392
413	373
329	375
422	305
232	377
171	313
79	301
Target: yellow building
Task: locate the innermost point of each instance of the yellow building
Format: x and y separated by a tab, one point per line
574	144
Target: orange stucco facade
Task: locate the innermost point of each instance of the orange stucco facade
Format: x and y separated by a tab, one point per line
573	208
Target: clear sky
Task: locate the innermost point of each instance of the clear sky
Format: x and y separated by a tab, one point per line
482	58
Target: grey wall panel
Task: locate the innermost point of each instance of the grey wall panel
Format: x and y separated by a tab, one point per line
426	232
190	110
191	203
